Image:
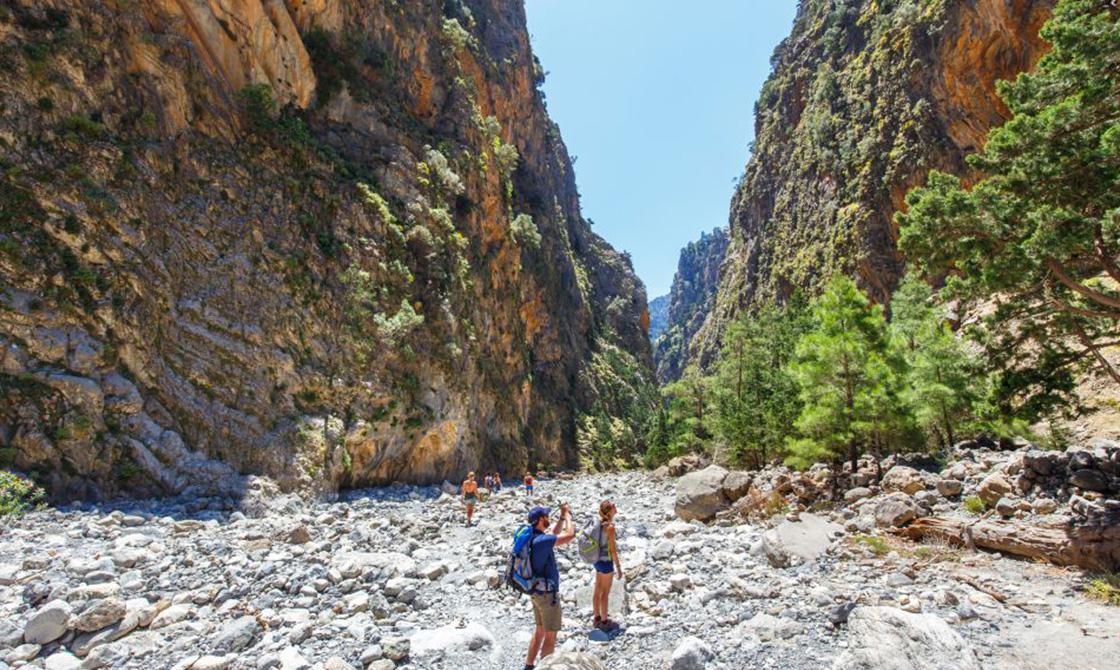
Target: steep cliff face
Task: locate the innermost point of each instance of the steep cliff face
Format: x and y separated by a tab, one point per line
866	97
336	242
690	301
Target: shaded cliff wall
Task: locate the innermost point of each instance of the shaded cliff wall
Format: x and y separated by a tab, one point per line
336	242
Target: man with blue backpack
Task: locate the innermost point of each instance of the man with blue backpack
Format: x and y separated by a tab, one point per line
532	570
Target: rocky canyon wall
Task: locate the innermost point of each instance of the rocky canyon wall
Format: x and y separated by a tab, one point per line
335	242
865	98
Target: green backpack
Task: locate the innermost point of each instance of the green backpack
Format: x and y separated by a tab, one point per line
592	543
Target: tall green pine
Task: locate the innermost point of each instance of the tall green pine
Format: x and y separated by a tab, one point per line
848	382
943	378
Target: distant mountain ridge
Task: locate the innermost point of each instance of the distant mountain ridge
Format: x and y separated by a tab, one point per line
690	301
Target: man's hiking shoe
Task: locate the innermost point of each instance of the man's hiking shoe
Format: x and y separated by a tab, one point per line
607	625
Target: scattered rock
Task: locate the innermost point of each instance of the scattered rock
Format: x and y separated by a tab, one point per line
894	510
902	479
950	488
62	660
48	623
99	614
993	488
691	653
238	634
445	639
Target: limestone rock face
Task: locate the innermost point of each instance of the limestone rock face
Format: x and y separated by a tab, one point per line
863	102
333	242
246	42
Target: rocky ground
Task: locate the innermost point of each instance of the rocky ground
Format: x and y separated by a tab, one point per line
392	578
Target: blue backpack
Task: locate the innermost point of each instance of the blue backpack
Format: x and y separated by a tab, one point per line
519	572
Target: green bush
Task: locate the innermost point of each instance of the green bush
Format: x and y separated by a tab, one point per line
877	545
82	126
1105	588
18	494
258	105
974	505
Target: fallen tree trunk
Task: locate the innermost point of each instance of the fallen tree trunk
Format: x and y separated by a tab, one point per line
1093	544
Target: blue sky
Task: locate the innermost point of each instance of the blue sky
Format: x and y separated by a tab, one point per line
655	98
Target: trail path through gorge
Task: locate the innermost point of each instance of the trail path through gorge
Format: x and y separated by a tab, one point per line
392	578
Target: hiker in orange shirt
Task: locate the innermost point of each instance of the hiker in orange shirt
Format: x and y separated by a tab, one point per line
470	496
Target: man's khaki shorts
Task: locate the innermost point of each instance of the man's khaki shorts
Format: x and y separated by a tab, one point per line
546	611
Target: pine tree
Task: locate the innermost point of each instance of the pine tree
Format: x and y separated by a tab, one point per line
756	397
689	414
847	381
943	378
1040	233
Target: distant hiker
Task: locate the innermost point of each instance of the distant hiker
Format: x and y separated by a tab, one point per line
544	587
497	481
470	496
528	484
598	546
488	481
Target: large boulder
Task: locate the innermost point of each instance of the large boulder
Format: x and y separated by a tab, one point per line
885	638
894	510
993	488
902	479
700	495
571	661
